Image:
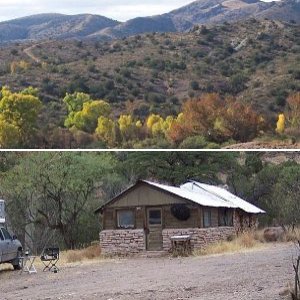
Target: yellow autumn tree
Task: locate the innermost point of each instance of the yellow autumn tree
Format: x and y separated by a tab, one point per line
129	128
280	126
170	120
105	130
18	116
155	124
87	118
9	135
139	124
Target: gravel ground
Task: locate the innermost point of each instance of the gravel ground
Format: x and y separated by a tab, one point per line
257	274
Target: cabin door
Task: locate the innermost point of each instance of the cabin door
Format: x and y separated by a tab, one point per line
154	221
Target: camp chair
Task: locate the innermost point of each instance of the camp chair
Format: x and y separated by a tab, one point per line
50	257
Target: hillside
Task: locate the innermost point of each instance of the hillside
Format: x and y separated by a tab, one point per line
57	26
255	61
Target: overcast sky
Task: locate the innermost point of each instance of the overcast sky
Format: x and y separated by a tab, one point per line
116	9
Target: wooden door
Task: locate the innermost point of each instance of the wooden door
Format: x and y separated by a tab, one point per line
154	221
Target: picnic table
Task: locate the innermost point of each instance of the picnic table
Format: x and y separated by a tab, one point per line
181	244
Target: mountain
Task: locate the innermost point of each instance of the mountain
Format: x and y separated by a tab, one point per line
205	12
56	26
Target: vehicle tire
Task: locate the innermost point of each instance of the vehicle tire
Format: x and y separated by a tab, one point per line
17	263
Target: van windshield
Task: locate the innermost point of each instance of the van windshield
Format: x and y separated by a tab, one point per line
7	236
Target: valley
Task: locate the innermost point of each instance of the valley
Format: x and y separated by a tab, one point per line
255	62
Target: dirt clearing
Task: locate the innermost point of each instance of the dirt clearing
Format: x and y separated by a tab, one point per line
257	274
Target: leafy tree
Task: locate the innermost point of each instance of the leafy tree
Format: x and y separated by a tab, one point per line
106	129
57	190
18	117
84	112
293	115
155	124
217	120
87	118
128	127
74	103
9	135
280	125
241	122
177	167
286	196
198	118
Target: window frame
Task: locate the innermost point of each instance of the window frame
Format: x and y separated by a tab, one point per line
207	210
161	216
118	211
225	213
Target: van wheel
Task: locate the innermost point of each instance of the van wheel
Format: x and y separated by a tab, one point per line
17	263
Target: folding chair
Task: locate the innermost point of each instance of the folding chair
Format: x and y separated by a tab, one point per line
49	258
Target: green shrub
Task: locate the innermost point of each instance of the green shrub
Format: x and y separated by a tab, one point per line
194	85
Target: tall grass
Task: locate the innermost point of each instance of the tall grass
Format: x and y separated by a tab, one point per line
88	253
242	242
247	240
292	235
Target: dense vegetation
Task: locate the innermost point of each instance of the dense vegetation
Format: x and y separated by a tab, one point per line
255	64
51	196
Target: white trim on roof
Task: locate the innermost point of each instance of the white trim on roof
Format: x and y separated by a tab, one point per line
208	195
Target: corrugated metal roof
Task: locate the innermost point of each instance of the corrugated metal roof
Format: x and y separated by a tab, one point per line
209	195
226	195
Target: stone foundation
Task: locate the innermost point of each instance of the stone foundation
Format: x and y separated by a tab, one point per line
200	237
122	242
132	241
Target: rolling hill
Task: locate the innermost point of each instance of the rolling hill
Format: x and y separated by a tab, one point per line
57	26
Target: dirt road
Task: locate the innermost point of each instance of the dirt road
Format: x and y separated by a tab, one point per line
255	275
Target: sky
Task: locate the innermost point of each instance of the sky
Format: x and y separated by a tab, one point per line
120	10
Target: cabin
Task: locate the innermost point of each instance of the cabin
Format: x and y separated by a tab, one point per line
148	216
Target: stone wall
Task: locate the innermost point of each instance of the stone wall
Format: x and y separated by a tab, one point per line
244	222
122	242
132	241
200	237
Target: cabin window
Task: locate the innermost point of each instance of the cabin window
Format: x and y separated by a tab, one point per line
206	217
225	217
155	217
125	218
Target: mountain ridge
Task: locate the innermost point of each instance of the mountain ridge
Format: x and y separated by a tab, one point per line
90	26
